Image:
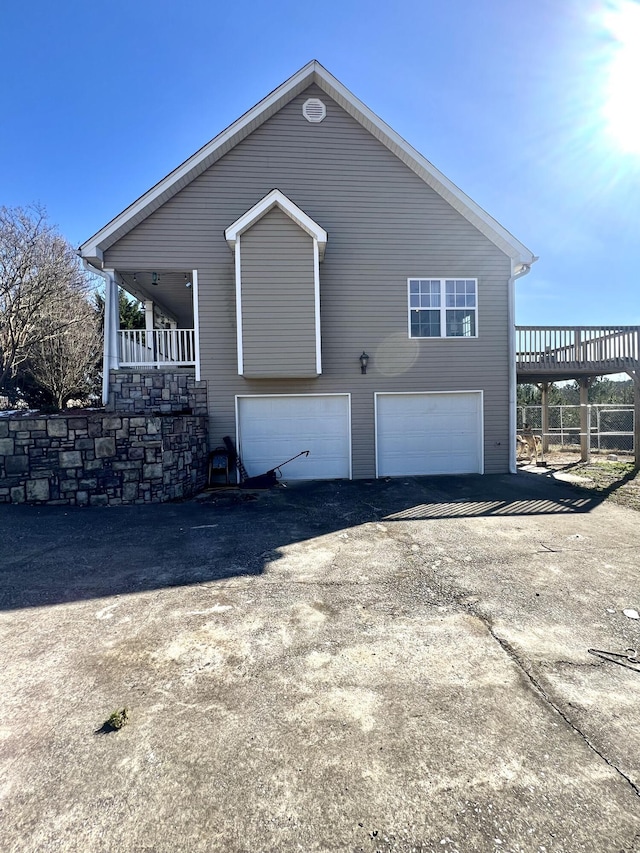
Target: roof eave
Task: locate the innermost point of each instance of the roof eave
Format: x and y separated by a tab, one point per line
198	162
313	72
432	176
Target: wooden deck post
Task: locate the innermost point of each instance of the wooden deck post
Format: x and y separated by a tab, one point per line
636	422
585	437
544	388
635	375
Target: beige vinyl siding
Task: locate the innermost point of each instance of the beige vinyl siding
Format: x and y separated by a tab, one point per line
385	225
278	299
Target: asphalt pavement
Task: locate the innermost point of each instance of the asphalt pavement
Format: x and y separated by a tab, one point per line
396	665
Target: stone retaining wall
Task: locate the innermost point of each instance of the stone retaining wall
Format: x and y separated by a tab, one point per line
98	458
157	392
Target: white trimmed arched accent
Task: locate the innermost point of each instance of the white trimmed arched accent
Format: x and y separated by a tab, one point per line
279	199
233	235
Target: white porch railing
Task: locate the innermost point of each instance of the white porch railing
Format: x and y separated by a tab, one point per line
142	348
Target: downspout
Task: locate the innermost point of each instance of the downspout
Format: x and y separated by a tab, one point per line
524	269
110	353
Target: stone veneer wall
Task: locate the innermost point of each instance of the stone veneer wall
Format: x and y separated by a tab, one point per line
97	458
155	391
150	445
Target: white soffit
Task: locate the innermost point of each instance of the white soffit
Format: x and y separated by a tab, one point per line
277	199
311	73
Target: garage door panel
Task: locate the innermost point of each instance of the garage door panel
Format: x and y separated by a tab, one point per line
271	429
419	434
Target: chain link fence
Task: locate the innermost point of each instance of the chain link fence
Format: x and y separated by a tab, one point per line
610	425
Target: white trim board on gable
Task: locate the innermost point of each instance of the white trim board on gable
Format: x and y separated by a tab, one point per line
92	250
288	353
277	199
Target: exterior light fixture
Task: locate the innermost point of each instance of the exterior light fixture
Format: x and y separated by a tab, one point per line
155	279
187	281
364	360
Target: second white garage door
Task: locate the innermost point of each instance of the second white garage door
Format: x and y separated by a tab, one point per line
273	428
429	433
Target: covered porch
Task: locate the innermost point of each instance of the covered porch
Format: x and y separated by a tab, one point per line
169	338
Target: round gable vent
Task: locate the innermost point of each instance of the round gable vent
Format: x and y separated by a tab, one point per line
314	110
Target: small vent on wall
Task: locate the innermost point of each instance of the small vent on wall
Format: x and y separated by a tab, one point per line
314	110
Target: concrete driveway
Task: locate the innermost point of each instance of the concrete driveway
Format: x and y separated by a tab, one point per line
365	666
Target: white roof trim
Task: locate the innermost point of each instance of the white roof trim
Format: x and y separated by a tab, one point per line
276	199
313	72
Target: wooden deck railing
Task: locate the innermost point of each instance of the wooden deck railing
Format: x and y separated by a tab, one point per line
140	348
577	347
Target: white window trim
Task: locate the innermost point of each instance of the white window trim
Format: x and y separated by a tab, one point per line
319	237
442	309
480	393
239	397
239	306
316	304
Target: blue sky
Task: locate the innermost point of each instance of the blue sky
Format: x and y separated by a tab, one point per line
515	101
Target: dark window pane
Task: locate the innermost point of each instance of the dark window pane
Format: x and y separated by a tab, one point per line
461	324
425	324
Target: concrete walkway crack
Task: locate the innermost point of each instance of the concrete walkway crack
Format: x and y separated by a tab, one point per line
537	686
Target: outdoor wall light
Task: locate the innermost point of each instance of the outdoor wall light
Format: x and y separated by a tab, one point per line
187	281
155	278
364	360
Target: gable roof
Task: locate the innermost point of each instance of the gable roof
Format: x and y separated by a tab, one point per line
276	199
92	250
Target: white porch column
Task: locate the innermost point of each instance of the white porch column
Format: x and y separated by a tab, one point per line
111	325
149	323
196	321
148	316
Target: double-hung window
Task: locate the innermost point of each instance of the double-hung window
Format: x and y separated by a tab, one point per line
443	307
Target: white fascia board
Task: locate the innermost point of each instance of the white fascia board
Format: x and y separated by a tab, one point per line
151	200
93	256
432	176
313	72
275	198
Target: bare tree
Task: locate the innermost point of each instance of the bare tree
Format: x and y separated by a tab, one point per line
38	272
65	360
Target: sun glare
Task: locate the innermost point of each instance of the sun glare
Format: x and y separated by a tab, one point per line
622	92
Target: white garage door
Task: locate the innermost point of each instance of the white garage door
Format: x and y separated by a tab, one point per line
273	428
429	433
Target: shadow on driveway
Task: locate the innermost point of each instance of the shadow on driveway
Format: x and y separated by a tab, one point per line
55	555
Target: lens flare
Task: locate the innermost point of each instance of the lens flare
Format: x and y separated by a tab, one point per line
621	109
